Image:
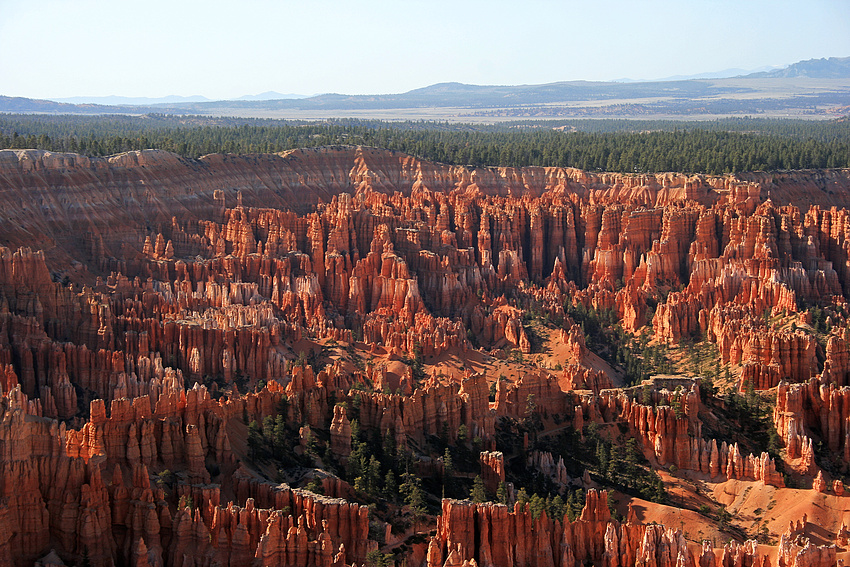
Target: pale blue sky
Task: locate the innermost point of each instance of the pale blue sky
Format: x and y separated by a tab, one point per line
225	49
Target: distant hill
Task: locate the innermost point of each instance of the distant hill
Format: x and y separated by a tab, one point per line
31	105
483	96
131	101
272	95
752	94
167	100
724	74
832	68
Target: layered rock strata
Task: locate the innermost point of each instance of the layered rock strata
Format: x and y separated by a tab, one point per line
166	282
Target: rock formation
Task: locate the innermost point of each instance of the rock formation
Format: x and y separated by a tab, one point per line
158	313
492	470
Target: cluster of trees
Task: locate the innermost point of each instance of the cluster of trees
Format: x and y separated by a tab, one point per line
375	468
550	501
554	506
617	462
605	336
696	151
641	360
821	130
416	364
750	422
820	320
621	146
375	465
274	440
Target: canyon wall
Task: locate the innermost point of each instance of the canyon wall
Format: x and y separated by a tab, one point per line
140	293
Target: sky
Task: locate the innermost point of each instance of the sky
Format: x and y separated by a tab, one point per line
226	49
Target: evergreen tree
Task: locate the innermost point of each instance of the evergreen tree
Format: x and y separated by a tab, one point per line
414	496
255	441
502	493
522	497
478	494
448	469
390	486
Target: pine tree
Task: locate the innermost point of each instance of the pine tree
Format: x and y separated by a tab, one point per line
537	505
414	497
255	440
478	494
448	469
522	497
390	486
557	508
502	493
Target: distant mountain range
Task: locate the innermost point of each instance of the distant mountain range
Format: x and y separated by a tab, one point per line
130	101
724	74
272	95
705	96
832	68
173	99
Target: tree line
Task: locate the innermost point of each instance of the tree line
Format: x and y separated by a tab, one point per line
728	146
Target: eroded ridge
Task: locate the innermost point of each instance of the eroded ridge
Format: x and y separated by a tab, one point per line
261	360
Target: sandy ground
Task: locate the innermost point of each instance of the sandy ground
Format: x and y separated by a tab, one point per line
751	505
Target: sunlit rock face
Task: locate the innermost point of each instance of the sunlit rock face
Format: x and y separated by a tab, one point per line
151	307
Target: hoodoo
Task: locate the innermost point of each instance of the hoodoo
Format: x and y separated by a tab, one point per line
345	356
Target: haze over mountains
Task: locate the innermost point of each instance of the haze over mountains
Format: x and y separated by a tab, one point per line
832	68
724	74
816	88
128	100
171	99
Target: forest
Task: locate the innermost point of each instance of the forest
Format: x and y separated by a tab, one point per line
627	146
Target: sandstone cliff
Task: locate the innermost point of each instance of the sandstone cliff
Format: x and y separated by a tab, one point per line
152	307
